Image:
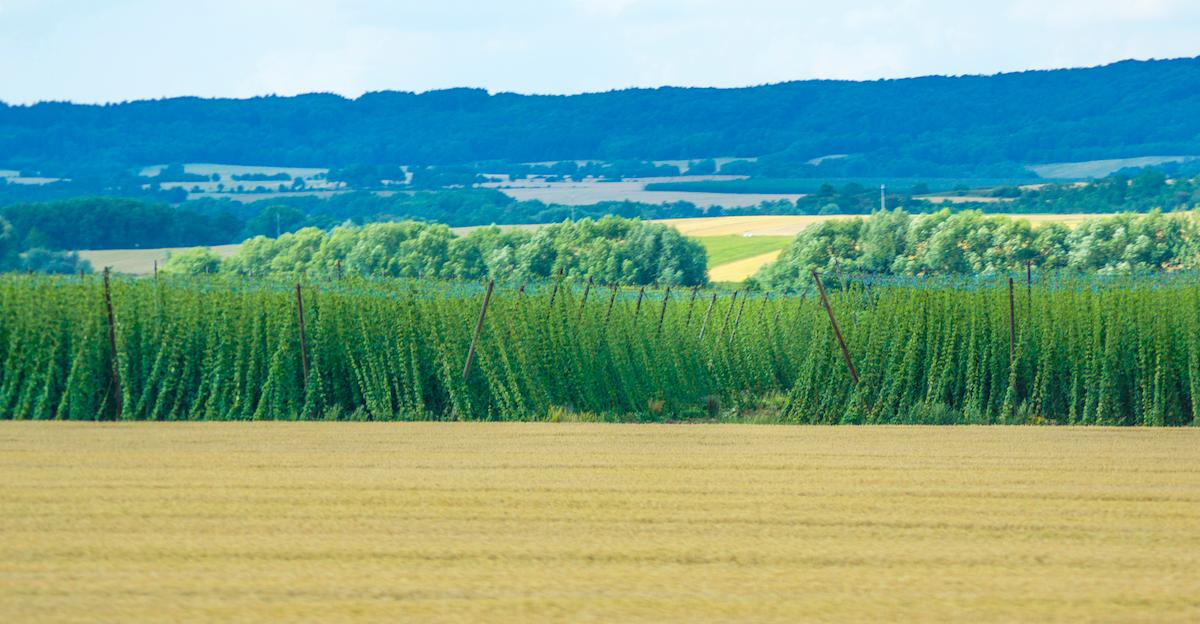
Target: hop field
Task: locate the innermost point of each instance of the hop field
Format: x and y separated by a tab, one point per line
1118	352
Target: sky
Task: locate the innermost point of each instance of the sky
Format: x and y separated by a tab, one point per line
118	50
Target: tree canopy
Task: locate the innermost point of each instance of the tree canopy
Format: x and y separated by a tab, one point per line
610	250
972	243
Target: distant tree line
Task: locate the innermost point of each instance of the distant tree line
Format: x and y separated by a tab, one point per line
976	123
610	250
972	243
112	223
115	223
16	257
1134	191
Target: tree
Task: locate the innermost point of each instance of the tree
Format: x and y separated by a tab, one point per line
46	261
195	261
8	246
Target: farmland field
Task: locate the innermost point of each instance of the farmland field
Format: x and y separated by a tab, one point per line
141	261
227	171
1101	168
725	249
763	228
573	193
740	270
497	522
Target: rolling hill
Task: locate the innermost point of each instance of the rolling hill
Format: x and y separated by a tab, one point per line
1122	110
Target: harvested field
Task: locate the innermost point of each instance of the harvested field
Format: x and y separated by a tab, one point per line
633	189
446	522
141	261
739	270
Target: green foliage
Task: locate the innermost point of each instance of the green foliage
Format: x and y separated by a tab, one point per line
1112	352
972	243
610	251
109	223
1143	191
39	260
195	261
8	246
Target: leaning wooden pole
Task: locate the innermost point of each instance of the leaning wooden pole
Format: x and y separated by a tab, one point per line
554	293
837	333
611	301
738	321
583	304
487	298
707	315
303	344
691	305
112	344
638	308
1029	287
729	314
1012	325
663	314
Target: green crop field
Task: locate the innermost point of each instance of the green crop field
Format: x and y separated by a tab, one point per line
730	248
528	522
1111	351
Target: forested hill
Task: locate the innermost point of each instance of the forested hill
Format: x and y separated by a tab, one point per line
1126	109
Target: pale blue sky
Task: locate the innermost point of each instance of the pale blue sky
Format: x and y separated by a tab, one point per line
114	50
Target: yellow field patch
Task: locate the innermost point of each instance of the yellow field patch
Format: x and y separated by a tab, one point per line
758	225
739	270
443	522
141	261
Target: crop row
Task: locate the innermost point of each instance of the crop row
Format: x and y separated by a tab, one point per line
224	349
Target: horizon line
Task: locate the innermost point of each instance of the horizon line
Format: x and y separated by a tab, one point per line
494	93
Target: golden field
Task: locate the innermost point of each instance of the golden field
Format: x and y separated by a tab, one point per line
342	522
739	270
141	261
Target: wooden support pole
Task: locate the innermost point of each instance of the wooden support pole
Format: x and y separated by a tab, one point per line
691	305
1029	287
708	314
112	344
729	314
586	291
303	345
611	301
554	293
638	308
837	333
1012	325
663	314
487	298
738	321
